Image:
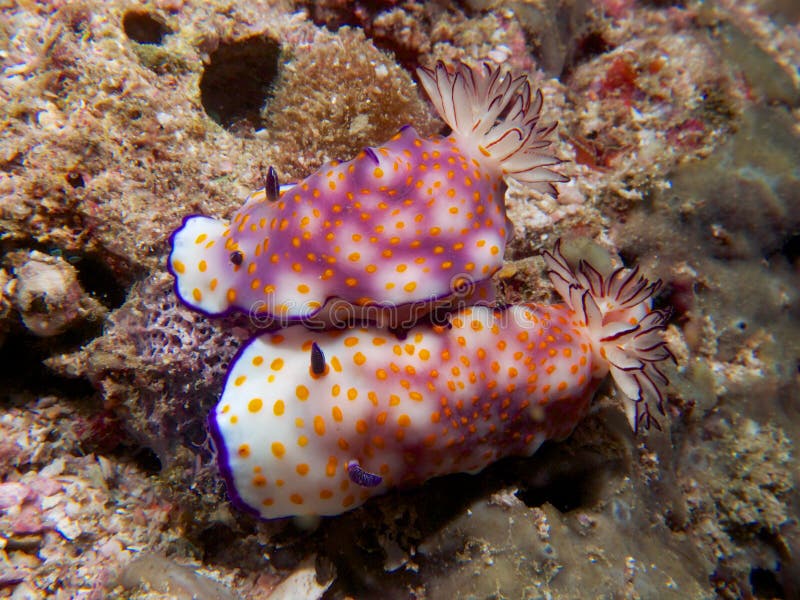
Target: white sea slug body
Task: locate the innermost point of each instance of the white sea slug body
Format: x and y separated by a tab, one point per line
413	221
315	423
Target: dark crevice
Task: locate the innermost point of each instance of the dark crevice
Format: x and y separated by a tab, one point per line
566	491
147	460
238	81
791	249
74	179
765	584
22	368
98	280
664	3
567	480
144	27
586	47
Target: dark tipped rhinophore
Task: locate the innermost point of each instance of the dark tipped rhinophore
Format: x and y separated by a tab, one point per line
237	258
371	153
317	360
272	186
361	477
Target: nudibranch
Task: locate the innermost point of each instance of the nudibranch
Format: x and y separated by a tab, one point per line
317	422
410	222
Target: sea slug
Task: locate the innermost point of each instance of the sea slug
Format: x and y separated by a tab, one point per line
315	423
407	224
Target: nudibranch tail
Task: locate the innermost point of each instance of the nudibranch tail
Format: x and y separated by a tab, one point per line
199	255
498	114
628	333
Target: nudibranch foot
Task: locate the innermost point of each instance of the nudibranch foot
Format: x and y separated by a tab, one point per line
391	412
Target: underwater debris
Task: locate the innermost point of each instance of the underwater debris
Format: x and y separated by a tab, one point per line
46	292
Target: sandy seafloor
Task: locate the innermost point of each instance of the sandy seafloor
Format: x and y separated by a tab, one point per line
680	123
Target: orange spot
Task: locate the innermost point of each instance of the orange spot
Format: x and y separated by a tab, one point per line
302	393
302	469
278	408
319	425
330	468
296	498
337	413
278	449
244	451
255	405
359	358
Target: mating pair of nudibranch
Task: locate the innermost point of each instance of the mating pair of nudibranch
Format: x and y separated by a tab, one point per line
316	422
